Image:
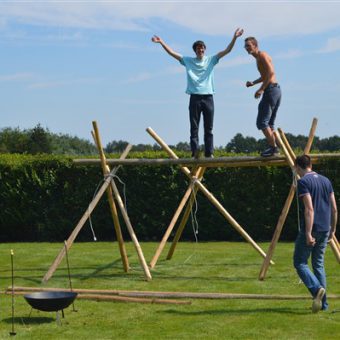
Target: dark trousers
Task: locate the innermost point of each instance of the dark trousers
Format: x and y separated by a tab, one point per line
201	104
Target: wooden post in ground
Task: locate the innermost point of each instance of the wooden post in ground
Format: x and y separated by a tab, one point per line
172	224
124	214
185	216
113	208
210	196
82	221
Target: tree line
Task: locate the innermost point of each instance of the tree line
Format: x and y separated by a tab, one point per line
40	140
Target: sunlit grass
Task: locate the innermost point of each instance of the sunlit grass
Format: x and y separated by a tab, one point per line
195	267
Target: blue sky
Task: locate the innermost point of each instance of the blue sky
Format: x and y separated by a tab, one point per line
67	63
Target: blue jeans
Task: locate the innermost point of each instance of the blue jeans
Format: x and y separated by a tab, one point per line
268	106
316	279
202	104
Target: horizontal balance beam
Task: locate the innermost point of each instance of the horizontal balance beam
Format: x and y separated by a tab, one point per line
240	161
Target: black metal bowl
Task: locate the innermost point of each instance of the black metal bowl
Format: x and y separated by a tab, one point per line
50	301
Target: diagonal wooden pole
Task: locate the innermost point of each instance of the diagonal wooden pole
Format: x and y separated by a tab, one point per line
124	213
172	224
185	216
210	196
106	170
82	221
289	200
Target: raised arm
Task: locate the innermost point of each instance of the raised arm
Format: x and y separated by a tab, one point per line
237	34
168	49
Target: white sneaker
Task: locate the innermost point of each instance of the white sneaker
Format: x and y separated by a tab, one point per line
317	301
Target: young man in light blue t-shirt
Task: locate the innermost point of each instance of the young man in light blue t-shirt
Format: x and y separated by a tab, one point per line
200	87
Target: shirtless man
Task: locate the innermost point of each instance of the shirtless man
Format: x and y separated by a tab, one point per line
271	95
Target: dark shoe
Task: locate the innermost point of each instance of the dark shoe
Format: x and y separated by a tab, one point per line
317	301
271	151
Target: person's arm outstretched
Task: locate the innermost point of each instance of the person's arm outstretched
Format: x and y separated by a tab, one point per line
168	49
237	34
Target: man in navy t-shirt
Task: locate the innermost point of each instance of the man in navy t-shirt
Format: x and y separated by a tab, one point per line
318	225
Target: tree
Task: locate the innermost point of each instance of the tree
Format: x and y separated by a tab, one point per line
39	141
240	144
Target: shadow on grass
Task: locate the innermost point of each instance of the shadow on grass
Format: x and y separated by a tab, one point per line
29	320
247	311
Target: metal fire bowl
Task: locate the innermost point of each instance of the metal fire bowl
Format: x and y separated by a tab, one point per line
50	301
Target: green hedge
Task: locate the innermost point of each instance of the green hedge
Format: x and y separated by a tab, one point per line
42	198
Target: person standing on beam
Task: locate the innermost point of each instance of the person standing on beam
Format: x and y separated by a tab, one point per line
270	92
318	225
200	87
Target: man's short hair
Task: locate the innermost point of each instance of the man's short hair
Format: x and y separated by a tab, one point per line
252	40
198	43
303	162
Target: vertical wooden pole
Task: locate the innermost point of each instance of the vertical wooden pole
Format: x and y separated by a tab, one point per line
185	216
286	207
113	208
171	226
335	249
123	211
210	196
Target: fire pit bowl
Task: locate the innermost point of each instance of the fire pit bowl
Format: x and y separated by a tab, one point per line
50	301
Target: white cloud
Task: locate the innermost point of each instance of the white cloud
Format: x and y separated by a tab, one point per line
261	18
16	77
332	45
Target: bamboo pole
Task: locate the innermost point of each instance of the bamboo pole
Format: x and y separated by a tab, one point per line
184	217
335	249
159	294
210	196
106	170
289	200
171	226
123	210
240	161
82	221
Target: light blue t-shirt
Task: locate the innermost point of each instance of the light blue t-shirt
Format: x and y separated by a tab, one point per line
200	75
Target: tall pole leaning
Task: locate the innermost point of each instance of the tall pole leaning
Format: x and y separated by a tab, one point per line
209	195
113	208
286	207
124	214
172	223
82	221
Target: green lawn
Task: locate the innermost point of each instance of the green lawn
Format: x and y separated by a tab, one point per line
196	267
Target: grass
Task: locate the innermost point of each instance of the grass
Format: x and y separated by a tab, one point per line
196	267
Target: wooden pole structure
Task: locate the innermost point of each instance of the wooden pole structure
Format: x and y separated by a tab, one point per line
223	162
172	223
123	211
184	218
210	196
284	213
106	170
82	221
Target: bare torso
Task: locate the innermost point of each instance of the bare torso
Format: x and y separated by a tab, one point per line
266	68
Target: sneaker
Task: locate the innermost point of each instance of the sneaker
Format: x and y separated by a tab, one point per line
209	156
271	151
317	301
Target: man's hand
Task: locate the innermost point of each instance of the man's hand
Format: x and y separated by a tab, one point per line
238	33
310	240
156	39
249	83
258	94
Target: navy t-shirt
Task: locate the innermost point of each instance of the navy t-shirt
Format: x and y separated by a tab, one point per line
320	188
